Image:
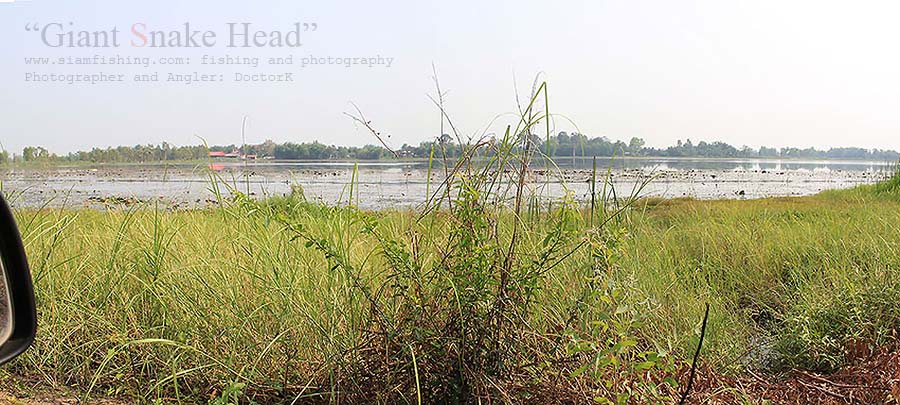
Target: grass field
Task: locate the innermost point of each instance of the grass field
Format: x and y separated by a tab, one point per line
489	292
286	300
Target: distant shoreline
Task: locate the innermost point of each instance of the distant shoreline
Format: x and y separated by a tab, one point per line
437	161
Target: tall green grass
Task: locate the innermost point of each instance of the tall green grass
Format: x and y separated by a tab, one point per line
286	300
792	282
489	292
891	184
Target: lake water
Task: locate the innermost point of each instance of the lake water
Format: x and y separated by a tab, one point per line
404	184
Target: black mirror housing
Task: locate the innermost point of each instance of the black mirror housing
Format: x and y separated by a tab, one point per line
19	287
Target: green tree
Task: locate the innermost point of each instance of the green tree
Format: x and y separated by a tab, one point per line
636	146
35	154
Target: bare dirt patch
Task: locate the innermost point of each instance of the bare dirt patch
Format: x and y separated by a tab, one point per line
869	378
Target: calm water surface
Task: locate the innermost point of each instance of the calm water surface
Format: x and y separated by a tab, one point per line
404	184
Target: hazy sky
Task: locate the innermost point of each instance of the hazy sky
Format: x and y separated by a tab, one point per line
778	73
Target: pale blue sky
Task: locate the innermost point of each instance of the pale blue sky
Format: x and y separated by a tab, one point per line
779	73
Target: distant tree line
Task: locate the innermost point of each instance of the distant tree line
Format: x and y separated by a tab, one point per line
580	145
561	145
120	154
320	151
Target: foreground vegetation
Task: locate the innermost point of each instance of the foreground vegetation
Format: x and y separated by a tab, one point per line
492	291
286	300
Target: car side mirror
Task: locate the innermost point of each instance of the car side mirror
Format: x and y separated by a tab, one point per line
18	319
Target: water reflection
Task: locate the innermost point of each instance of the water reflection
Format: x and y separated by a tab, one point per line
726	164
642	163
392	184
